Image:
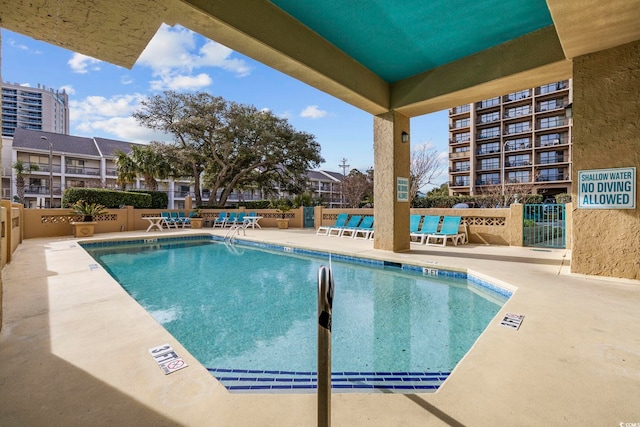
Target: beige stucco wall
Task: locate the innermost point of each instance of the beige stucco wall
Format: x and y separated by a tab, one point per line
606	134
391	161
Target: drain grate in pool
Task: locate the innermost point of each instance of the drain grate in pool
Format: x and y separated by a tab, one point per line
256	381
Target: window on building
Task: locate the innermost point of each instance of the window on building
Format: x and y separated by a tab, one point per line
550	139
493	147
490	117
461	181
523	94
490	132
518	127
518	177
462	137
551	157
551	104
462	109
518	160
492	163
461	166
461	123
552	87
518	111
41	161
551	122
75	166
461	149
489	179
490	102
551	175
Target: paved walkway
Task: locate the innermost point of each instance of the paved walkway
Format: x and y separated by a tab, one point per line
74	349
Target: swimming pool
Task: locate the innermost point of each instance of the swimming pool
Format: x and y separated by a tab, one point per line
248	313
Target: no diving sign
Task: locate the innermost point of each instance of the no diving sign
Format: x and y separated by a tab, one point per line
607	188
167	358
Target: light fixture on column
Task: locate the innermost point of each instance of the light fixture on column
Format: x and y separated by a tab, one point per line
568	111
405	137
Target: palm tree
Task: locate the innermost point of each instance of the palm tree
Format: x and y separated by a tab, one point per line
22	171
126	168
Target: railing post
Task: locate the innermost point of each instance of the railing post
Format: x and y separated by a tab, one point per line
325	304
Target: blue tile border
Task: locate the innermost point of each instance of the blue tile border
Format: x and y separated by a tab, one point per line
247	381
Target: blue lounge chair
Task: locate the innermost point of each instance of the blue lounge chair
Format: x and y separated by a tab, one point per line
352	223
239	220
231	219
186	221
221	220
176	219
341	221
365	229
414	223
168	221
430	225
449	230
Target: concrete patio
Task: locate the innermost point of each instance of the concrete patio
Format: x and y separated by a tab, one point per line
74	349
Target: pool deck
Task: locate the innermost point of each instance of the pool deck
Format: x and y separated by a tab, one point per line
74	349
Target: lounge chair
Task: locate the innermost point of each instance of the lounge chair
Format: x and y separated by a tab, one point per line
186	221
429	226
168	221
220	221
176	219
450	230
414	223
323	230
352	223
231	219
239	220
365	229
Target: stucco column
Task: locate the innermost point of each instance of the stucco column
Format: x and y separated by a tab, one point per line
606	134
391	161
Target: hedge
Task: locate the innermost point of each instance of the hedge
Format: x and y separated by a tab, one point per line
159	199
109	198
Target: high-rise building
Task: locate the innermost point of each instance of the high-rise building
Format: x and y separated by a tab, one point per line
41	108
520	138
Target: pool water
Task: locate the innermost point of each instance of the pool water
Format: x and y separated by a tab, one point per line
245	310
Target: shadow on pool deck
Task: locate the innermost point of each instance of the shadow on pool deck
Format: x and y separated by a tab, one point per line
74	349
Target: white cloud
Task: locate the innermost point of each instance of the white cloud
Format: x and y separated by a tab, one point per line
97	115
172	57
79	63
21	46
181	82
126	80
69	89
313	112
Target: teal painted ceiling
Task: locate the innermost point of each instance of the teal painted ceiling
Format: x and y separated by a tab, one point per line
397	39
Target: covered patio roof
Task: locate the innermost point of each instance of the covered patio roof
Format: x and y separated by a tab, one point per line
411	56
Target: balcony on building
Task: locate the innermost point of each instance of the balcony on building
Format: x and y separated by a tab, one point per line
488	104
552	140
551	175
517	96
459	183
552	87
460	109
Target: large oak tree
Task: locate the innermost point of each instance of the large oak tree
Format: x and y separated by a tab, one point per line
235	145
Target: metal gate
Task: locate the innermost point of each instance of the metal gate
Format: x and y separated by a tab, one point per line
308	217
544	226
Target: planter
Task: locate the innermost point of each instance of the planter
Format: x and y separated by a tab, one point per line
83	229
196	222
283	223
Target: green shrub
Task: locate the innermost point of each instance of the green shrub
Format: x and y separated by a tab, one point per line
159	199
563	198
108	198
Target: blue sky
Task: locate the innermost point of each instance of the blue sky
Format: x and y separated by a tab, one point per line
102	96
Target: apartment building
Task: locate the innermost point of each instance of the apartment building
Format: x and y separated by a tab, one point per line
327	186
522	137
40	109
73	161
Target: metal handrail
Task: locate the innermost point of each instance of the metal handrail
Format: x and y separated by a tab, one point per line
325	305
